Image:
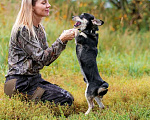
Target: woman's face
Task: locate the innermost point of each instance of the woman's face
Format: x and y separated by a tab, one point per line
41	8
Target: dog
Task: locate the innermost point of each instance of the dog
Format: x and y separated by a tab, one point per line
86	50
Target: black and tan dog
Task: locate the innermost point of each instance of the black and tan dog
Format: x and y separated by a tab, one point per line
86	50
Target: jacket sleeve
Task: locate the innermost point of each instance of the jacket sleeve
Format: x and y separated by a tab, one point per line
31	46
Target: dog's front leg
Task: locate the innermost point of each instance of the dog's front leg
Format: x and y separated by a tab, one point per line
98	99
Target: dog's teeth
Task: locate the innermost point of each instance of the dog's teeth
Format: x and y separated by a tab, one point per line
77	24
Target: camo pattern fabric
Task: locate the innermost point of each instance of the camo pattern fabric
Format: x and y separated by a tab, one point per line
28	54
53	93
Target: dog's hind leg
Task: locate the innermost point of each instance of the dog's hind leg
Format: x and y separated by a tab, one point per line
90	104
89	100
98	99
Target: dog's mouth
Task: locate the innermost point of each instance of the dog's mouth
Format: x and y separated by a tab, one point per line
78	23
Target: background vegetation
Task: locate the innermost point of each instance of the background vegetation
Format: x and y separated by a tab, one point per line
123	60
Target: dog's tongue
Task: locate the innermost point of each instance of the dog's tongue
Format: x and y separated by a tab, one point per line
77	24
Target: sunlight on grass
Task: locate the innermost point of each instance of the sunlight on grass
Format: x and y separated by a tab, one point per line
126	97
123	61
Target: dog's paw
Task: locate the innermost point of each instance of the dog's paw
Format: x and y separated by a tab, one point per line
105	85
76	33
102	91
87	112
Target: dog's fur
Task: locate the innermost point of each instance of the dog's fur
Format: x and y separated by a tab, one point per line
86	50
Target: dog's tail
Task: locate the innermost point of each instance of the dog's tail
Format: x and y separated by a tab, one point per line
103	89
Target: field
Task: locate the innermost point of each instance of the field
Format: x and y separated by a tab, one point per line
123	61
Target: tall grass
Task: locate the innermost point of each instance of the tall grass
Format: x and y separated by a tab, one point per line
123	61
127	99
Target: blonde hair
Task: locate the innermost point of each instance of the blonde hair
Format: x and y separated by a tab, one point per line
24	18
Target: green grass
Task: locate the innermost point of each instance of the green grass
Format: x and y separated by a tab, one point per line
127	98
123	61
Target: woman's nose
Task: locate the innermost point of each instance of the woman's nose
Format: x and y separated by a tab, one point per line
48	5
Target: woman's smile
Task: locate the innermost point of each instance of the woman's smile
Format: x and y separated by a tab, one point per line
41	8
47	11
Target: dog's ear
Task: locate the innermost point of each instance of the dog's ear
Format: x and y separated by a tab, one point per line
97	22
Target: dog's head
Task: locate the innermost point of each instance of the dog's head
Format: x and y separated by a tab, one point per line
87	22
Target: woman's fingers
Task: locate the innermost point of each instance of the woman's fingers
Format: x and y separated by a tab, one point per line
68	34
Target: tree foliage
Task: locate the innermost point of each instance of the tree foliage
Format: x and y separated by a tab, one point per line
122	15
134	12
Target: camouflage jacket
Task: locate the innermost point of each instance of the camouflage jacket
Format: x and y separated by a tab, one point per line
28	55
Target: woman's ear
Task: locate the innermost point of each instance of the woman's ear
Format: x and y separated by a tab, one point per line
97	22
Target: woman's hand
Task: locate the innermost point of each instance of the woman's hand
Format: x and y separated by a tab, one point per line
68	35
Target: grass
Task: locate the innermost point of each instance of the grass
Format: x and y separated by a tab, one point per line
123	61
126	99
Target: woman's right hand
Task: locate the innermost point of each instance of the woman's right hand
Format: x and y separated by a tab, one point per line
68	35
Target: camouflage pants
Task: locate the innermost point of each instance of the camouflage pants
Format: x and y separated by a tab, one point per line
37	88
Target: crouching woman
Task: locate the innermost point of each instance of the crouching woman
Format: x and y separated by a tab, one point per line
29	53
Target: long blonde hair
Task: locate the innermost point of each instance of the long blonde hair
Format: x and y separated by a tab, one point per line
24	17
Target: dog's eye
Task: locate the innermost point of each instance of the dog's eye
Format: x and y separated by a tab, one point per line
81	16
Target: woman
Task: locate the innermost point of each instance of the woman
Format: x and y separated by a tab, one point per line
29	53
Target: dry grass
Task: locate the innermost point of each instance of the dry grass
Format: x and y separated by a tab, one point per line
125	95
123	61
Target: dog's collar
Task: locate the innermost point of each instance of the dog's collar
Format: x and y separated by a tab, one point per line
87	32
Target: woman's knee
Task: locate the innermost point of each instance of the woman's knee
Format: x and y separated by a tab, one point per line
10	87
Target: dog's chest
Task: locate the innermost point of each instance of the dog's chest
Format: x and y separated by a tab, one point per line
79	40
79	49
85	42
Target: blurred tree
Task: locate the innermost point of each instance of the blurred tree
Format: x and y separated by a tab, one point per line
137	11
120	15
